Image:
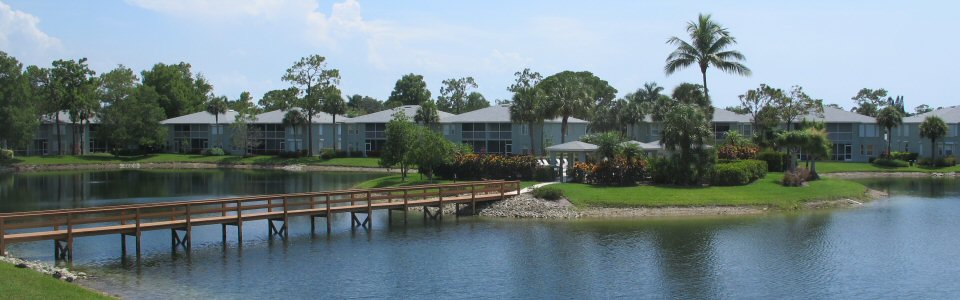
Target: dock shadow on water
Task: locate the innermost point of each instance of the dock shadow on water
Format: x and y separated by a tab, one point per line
903	247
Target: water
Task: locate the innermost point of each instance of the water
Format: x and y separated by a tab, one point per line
903	247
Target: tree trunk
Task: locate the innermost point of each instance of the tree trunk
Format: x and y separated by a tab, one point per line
335	136
59	136
74	137
310	132
706	92
933	150
563	139
813	170
216	119
889	140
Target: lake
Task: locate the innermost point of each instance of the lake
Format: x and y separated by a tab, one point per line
901	247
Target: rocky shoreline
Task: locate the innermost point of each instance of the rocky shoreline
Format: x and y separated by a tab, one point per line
189	166
526	206
55	272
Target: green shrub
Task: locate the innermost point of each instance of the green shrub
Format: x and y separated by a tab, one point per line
294	154
215	151
776	161
738	172
905	156
6	154
617	171
694	169
796	178
488	166
544	173
939	162
889	162
548	193
327	154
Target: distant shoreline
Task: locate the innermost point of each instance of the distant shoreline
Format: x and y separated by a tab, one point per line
189	166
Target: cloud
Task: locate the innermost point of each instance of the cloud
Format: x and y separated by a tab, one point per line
20	34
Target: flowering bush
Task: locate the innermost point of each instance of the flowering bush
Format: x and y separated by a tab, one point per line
617	171
729	151
488	166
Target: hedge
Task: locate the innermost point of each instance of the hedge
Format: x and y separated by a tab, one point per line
488	166
739	172
776	161
888	162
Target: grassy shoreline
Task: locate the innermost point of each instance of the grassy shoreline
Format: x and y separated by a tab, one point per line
29	284
764	192
843	167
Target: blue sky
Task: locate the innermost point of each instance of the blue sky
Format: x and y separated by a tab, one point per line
831	49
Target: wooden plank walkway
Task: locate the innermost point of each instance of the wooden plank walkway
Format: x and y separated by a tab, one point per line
64	225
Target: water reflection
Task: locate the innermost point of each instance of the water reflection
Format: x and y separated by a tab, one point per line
55	190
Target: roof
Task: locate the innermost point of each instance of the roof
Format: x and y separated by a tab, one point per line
654	145
202	117
948	114
495	114
719	115
836	115
386	115
574	146
276	117
64	117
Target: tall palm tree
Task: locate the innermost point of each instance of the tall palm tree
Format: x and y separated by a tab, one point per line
933	128
888	118
427	114
295	118
527	103
217	106
707	47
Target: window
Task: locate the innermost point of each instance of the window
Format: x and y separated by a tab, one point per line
270	138
869	130
952	130
654	129
869	150
524	129
369	147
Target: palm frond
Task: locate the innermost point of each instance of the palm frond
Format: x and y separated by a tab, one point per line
731	67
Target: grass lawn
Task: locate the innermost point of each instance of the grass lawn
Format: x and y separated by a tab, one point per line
28	284
412	179
193	158
835	167
763	192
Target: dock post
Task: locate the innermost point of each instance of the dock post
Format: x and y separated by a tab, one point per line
137	232
3	244
327	200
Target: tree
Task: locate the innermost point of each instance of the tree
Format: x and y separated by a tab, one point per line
427	114
888	118
245	136
834	105
278	99
314	81
608	143
645	100
567	95
922	109
17	110
707	47
117	84
334	105
817	147
453	94
685	131
245	103
475	101
398	144
527	106
180	91
79	88
48	97
364	104
795	104
430	152
133	120
933	128
217	106
757	103
294	118
868	101
409	90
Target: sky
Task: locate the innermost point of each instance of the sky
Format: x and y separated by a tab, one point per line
830	48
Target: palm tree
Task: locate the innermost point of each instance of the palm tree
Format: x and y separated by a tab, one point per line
427	114
707	47
527	103
933	128
686	128
217	106
334	105
294	118
888	118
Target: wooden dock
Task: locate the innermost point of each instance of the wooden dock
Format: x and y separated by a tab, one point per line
64	225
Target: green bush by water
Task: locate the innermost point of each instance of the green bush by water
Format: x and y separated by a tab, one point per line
739	172
776	161
6	154
547	193
889	162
